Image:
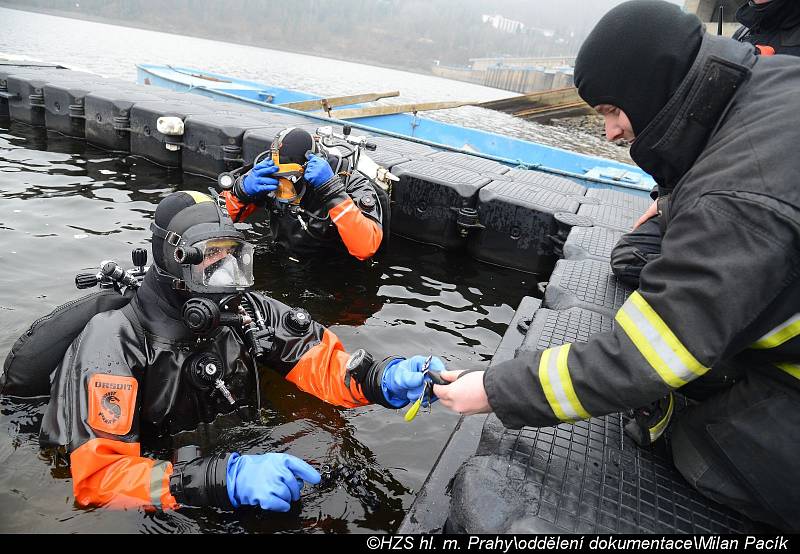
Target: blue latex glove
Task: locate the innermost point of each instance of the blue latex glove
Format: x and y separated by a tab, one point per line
271	481
317	171
402	380
258	181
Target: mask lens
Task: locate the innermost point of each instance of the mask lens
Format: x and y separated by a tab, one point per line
226	262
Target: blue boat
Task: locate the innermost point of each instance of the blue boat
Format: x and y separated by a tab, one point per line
588	170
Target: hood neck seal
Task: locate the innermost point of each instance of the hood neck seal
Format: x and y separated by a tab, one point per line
673	140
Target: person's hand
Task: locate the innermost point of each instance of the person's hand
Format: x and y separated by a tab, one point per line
271	481
466	395
317	171
652	211
403	380
258	181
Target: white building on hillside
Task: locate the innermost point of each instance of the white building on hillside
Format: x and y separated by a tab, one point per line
503	24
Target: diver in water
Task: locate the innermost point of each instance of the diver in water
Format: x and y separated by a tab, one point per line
330	208
184	352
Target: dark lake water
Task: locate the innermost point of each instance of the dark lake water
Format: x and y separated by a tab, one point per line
64	206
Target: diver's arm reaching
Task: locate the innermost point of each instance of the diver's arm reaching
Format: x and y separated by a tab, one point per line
313	358
361	235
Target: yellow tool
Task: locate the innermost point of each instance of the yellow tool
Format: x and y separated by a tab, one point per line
288	174
412	411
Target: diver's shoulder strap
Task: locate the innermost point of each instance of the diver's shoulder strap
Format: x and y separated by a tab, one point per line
129	312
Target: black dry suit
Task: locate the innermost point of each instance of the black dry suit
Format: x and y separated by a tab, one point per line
139	374
775	24
725	291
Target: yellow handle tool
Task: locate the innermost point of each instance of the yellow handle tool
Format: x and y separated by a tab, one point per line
414	409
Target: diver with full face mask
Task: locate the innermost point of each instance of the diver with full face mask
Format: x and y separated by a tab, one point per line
185	351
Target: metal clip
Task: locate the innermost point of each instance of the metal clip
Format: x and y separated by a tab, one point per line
220	386
173	238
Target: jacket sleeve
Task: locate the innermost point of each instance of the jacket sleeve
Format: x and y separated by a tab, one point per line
239	205
94	415
309	355
238	210
727	265
356	212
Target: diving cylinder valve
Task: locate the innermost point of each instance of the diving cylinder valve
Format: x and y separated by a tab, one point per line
111	275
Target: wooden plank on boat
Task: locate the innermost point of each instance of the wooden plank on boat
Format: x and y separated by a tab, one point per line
543	98
543	110
29	63
328	103
397	108
547	104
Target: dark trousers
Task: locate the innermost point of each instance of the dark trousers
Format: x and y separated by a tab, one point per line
741	448
634	250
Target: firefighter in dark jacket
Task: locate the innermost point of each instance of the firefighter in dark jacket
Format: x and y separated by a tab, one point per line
722	125
331	209
773	27
184	352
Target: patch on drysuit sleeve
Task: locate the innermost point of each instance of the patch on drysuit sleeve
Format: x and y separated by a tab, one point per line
112	401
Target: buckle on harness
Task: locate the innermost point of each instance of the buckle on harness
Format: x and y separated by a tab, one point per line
178	284
173	238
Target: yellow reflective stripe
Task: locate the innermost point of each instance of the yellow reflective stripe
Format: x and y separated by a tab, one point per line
784	332
566	382
643	345
557	385
198	196
657	343
657	429
791	369
544	379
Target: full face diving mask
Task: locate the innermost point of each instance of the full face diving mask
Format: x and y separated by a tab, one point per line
207	258
217	263
288	152
289	173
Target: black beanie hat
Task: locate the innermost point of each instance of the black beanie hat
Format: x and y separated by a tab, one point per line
293	143
636	57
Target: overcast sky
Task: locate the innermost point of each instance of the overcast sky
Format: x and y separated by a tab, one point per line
549	13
